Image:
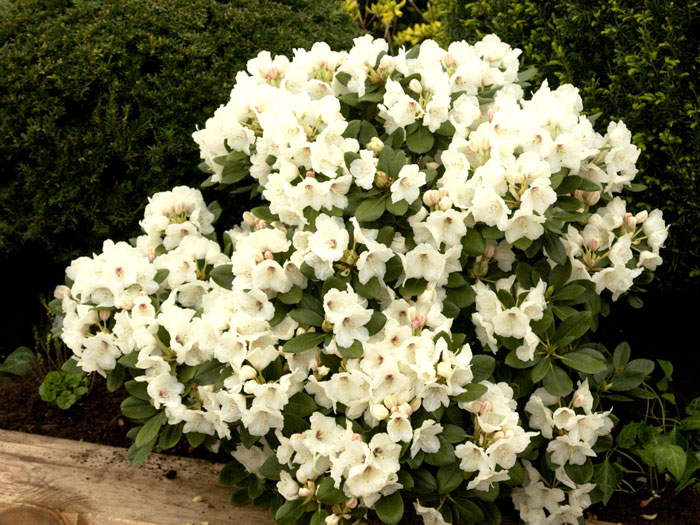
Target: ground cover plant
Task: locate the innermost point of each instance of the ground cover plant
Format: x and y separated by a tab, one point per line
409	317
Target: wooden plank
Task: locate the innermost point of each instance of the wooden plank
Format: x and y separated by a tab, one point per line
51	481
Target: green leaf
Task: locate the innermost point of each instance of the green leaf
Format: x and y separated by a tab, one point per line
398	209
692	422
115	377
328	494
557	382
20	361
170	436
195	438
128	360
354	351
293	296
580	474
290	512
305	316
371	209
583	363
370	290
376	322
555	248
304	342
367	131
397	164
420	141
453	433
473	243
628	435
482	367
223	275
271	468
463	297
353	127
473	392
573	327
137	455
413	287
444	456
389	509
468	510
607	476
150	429
263	212
301	404
134	408
632	375
449	477
319	517
671	457
232	473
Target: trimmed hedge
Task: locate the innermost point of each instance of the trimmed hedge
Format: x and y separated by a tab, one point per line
98	101
635	61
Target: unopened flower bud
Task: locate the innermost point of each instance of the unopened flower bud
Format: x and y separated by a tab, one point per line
405	408
490	250
322	370
351	503
357	437
269	256
518	178
415	86
431	198
309	174
432	165
449	60
248	218
332	519
127	303
104	315
415	403
489	114
248	372
375	145
594	244
304	492
300	331
390	401
578	401
381	180
630	221
379	412
61	292
327	326
592	197
445	203
499	435
641	216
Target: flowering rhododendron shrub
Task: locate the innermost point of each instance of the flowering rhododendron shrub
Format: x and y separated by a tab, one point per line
409	317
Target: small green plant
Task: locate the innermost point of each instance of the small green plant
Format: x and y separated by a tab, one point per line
662	448
63	389
18	363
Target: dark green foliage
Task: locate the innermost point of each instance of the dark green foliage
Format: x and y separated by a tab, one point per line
98	101
635	61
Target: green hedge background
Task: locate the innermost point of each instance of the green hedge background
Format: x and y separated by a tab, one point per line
98	101
634	61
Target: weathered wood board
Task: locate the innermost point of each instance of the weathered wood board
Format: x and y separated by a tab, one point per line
50	481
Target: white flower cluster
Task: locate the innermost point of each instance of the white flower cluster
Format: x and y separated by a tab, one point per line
493	318
573	431
499	437
613	233
339	293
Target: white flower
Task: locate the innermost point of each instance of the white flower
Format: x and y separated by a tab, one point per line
363	169
425	438
407	184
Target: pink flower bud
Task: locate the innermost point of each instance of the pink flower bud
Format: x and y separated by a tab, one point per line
489	114
61	292
310	174
351	503
104	314
269	256
595	244
449	60
356	437
578	401
490	250
485	408
630	221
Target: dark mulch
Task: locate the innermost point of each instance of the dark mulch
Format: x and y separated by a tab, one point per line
683	509
96	418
